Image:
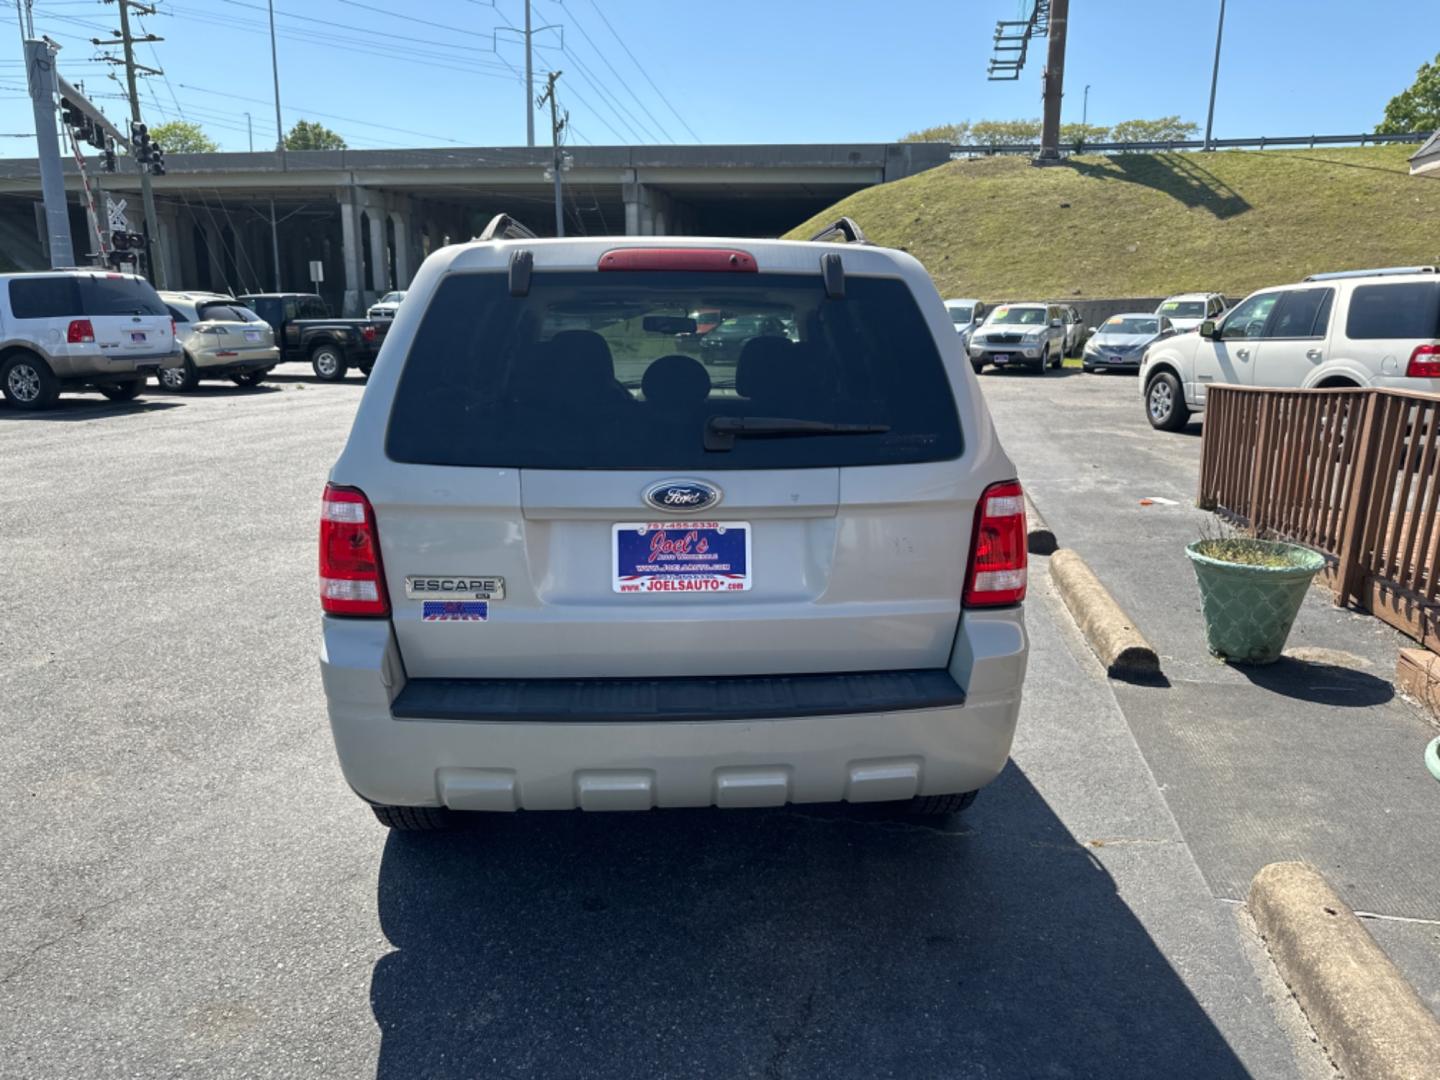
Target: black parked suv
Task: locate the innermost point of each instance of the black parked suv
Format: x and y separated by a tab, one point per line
305	330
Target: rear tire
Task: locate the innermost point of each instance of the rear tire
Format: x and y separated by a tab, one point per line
328	363
1165	403
413	818
28	382
178	380
940	805
125	391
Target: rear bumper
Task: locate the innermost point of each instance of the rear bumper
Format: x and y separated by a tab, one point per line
237	362
878	750
100	366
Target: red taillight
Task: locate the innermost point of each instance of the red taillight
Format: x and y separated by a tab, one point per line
678	259
352	581
1424	362
81	332
998	550
172	327
368	333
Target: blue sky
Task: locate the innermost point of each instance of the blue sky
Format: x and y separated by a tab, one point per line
430	72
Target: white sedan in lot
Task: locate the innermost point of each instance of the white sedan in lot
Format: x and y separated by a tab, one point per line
386	306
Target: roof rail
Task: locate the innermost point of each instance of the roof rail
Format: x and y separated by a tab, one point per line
845	227
1384	271
504	227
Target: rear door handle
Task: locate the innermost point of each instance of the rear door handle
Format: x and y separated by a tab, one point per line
1314	354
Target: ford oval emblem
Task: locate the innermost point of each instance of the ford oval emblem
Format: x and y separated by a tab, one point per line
682	496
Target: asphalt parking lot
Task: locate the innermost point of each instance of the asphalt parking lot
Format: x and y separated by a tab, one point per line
191	890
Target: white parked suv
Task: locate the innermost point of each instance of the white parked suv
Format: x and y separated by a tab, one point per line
1356	328
563	565
1188	310
80	330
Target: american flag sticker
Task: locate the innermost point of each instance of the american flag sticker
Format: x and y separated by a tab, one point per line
455	611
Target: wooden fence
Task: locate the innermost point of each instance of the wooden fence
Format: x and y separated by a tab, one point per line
1354	474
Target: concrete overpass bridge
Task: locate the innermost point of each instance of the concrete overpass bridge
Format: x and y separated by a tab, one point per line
371	216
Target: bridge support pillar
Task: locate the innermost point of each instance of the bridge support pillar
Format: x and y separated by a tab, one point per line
354	201
648	210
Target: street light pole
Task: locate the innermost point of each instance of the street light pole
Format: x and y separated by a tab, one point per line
250	131
529	82
1085	111
1214	77
279	144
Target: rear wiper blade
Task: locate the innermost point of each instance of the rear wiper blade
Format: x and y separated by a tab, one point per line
722	431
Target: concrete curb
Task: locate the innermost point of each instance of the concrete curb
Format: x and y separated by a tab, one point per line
1111	633
1368	1018
1041	539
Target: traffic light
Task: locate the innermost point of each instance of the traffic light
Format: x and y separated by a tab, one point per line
119	241
96	136
140	142
157	159
70	113
109	155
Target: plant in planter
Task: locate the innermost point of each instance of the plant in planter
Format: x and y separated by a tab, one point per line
1250	591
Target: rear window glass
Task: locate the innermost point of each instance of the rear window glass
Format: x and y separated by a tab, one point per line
120	296
312	307
1400	310
216	312
626	370
44	298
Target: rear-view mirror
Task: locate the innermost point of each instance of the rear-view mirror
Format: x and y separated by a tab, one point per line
1207	328
1090	330
668	324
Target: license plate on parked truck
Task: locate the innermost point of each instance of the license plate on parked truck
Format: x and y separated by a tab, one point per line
681	556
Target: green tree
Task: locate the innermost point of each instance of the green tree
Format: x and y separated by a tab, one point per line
1078	135
1160	130
309	135
1004	132
941	133
1417	108
183	137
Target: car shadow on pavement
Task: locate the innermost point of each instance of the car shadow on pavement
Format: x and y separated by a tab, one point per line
352	378
1319	682
1017	372
798	942
217	390
69	408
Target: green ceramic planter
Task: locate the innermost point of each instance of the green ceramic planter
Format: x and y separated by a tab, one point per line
1249	609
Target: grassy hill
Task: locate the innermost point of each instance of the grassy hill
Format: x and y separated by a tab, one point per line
1153	224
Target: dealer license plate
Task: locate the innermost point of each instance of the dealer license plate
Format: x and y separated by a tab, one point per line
137	336
252	335
1001	358
680	556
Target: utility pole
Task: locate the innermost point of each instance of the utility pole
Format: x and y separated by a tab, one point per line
1054	84
1214	78
40	63
529	82
147	194
250	132
279	145
1085	110
557	125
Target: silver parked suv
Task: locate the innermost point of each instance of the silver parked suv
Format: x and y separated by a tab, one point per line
1015	334
80	330
563	565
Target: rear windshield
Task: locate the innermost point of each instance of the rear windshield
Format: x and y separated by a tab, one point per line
618	371
1408	309
120	296
215	311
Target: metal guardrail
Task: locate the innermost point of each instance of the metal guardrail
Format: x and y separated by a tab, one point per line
1263	142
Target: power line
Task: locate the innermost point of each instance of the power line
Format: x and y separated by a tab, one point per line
641	68
619	78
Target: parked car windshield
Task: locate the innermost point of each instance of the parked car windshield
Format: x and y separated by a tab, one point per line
1023	316
1120	324
391	298
1183	309
606	371
960	315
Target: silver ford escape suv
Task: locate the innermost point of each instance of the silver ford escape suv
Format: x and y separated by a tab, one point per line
565	564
